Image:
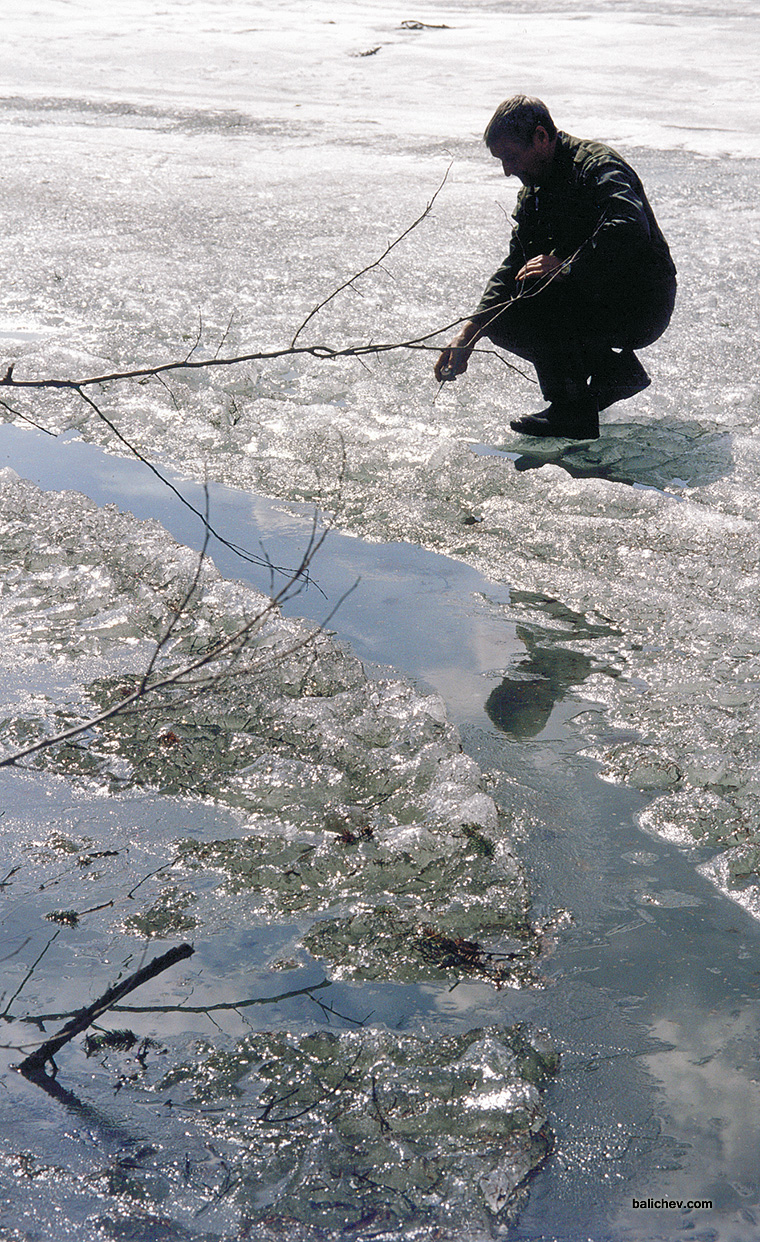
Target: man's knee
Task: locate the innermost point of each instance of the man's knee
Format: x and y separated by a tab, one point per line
512	336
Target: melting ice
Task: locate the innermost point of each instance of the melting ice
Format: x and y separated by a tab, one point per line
190	189
345	827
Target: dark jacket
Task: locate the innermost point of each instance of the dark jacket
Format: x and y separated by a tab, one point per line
592	210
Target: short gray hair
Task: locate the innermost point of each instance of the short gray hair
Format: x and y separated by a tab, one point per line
518	118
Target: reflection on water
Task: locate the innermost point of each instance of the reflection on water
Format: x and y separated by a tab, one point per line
522	705
653	1004
523	701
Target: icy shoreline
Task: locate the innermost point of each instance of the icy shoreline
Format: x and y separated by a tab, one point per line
358	822
197	179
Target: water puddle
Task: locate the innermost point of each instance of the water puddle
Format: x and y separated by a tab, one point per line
652	995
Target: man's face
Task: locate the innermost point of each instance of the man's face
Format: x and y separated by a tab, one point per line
528	161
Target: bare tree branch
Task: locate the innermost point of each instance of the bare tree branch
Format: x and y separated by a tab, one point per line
322	352
229	648
376	263
319	351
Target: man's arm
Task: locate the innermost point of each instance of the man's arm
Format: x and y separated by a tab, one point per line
455	357
498	293
524	247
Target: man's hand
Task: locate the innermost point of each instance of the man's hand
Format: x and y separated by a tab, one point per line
454	358
541	265
452	362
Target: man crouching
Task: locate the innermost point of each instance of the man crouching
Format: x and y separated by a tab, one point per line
588	278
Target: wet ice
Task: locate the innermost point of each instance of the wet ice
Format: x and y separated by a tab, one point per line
203	191
352	804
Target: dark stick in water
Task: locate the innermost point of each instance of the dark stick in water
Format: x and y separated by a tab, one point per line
33	1066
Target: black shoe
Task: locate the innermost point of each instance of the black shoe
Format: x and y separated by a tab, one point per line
618	377
571	420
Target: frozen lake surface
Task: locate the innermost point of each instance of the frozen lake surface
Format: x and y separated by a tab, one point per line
194	181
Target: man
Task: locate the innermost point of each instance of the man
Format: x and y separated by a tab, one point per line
588	278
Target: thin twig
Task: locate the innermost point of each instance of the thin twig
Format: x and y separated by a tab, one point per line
151	874
241	552
29	973
180	611
198	336
170	391
225	334
230	646
375	263
27	419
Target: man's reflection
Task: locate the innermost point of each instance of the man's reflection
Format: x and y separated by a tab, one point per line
522	705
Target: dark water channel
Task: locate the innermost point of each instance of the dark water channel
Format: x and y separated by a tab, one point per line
653	976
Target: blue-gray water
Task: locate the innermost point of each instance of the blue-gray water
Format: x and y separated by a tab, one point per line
653	979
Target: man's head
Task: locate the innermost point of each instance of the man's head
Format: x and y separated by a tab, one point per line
522	134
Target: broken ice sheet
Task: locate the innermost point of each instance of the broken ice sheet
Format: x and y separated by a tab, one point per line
340	1130
736	872
354	793
353	807
383	944
434	912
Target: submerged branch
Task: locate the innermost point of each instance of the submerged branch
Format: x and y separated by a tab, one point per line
219	1006
33	1066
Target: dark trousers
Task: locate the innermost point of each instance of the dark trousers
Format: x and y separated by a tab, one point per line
567	334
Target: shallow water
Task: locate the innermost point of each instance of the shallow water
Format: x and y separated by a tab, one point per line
403	604
652	996
201	185
319	836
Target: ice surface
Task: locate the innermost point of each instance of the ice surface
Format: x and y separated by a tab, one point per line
385	1134
194	180
672	562
335	802
649	72
398	1130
